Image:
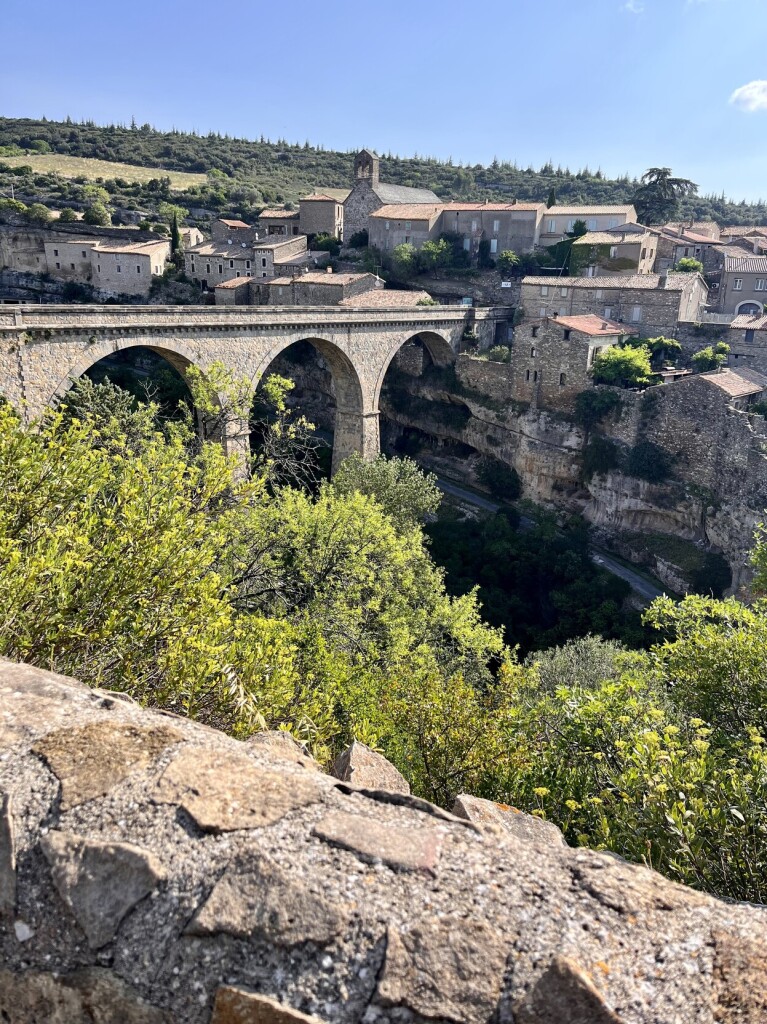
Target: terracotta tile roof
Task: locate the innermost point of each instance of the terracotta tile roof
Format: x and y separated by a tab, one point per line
385	298
747	229
737	383
745	264
609	238
493	207
320	278
408	211
234	282
140	248
575	211
326	197
590	323
222	250
749	322
274	241
234	223
275	214
675	283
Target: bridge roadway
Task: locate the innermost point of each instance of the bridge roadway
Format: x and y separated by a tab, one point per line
44	348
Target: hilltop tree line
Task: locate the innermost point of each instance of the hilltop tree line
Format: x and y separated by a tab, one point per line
283	171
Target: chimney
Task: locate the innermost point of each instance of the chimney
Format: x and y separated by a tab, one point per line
554	316
663	279
329	270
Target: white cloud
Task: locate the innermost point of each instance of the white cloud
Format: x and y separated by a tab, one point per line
752	96
634	6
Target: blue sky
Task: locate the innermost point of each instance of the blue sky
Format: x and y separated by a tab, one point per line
620	84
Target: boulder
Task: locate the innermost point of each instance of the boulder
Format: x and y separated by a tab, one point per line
363	767
503	818
202	879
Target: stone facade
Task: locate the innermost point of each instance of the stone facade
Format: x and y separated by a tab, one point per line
43	348
321	214
653	303
503	226
156	871
278	222
605	253
370	194
559	220
233	232
743	284
128	269
320	289
403	225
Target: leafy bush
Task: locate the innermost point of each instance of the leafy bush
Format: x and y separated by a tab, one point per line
501	479
359	239
508	261
627	366
711	357
68	215
326	243
688	265
648	461
499	354
97	214
38	214
591	407
600	456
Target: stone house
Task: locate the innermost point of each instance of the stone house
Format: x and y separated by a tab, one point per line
625	250
190	236
652	303
278	222
232	232
686	243
70	260
235	292
743	386
370	194
323	213
128	268
514	226
552	356
743	284
747	338
403	224
213	262
559	220
315	289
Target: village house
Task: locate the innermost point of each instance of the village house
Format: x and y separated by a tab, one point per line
653	303
213	262
742	386
742	284
629	249
232	231
370	194
552	356
70	260
278	222
747	338
677	242
559	221
323	213
190	236
319	289
403	225
127	268
237	291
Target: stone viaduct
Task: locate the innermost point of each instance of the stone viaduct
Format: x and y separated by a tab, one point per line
43	348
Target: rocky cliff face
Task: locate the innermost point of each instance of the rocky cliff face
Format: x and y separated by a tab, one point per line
155	871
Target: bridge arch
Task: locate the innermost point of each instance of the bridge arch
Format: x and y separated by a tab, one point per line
356	421
436	343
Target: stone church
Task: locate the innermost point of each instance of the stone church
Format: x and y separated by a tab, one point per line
370	194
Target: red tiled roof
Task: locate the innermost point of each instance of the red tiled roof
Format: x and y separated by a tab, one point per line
408	211
234	223
590	323
737	383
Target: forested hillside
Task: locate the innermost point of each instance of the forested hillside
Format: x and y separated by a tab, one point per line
283	171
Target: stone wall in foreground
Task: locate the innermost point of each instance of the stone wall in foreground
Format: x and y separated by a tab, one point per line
153	870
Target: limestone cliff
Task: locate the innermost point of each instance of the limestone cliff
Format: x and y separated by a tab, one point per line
153	871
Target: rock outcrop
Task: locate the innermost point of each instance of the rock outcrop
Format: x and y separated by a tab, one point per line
154	871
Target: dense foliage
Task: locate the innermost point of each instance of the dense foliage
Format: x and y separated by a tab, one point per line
279	170
131	558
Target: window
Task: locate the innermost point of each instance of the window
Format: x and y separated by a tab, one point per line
493	245
598	293
231	264
612	222
84	253
496	226
567	333
608	312
58	266
738	284
552	226
571	224
237	274
614	252
535	331
542	311
264	274
562	311
473	225
221	268
749	338
55	252
98	267
563	292
138	268
527	375
119	269
759	286
387	225
407	225
407	239
263	262
248	274
636	314
533	353
207	268
644	253
562	379
71	266
544	289
535	375
247	264
466	244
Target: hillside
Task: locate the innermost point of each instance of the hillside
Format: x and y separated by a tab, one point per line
282	171
81	167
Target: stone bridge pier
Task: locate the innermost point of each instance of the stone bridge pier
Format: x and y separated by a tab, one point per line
44	348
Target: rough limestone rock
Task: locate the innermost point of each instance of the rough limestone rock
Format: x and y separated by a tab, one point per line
177	875
361	766
502	818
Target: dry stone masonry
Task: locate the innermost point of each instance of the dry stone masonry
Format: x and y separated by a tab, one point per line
155	871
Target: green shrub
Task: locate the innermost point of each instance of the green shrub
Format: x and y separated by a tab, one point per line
711	357
648	461
591	407
501	479
499	354
600	456
359	239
